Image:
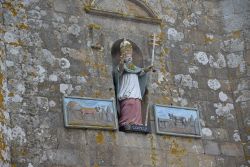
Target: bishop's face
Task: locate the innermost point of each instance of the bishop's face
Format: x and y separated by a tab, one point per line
128	56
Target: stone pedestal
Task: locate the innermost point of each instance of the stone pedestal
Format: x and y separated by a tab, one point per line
135	128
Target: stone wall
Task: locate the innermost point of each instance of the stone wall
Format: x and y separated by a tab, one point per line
237	19
5	129
51	48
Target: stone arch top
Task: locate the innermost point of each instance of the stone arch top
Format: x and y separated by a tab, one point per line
135	10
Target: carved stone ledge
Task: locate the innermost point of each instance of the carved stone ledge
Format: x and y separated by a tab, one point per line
117	15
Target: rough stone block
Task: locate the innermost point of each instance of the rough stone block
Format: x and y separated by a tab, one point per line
232	149
221	134
200	160
67	139
222	161
64	157
177	160
221	73
211	147
129	156
247	149
60	5
247	57
211	9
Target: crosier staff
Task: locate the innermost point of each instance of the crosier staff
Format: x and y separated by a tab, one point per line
156	41
153	51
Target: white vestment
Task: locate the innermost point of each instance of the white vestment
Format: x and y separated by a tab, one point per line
130	87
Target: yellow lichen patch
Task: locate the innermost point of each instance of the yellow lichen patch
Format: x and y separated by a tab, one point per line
20	5
13	165
17	43
99	138
94	26
112	134
96	165
11	94
161	37
25	17
166	50
53	88
186	50
83	74
163	100
1	79
166	137
190	140
11	81
176	149
236	34
10	7
162	62
1	94
23	152
97	93
2	118
221	120
2	31
2	143
81	93
87	7
153	154
177	162
22	26
162	25
247	130
2	146
1	101
208	39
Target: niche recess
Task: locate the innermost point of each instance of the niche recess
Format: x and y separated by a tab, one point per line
138	61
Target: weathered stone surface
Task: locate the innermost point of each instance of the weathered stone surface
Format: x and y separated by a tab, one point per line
231	149
225	161
51	49
221	134
211	148
201	160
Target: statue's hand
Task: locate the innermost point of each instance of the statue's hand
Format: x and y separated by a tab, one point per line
149	68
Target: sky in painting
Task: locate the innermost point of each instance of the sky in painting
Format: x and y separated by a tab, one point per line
162	112
88	103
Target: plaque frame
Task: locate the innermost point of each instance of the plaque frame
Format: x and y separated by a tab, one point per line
178	118
111	125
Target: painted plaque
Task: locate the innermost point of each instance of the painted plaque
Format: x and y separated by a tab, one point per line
177	121
89	113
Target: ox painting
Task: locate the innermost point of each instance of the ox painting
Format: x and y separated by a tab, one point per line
89	113
177	121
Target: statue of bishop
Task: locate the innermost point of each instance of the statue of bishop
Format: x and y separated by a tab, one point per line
130	84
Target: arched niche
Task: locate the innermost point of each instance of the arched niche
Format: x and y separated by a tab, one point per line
138	61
